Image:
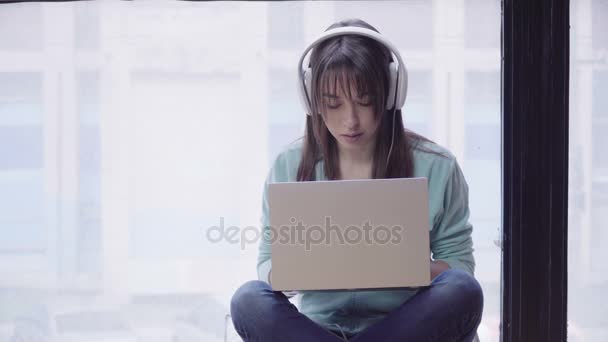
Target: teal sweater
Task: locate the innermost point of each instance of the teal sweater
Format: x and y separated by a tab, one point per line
450	239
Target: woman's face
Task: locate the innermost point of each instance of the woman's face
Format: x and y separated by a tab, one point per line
351	121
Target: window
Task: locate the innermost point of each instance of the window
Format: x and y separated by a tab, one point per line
183	163
600	88
22	180
410	24
158	122
588	186
418	110
480	13
599	25
13	37
287	117
288	16
86	18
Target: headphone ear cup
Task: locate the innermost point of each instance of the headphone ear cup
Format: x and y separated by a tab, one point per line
308	88
392	86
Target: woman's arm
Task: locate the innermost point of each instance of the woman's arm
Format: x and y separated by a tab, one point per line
264	264
451	240
281	171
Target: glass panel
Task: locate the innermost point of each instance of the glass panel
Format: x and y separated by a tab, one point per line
482	13
588	173
409	24
482	168
286	119
599	24
86	19
121	161
288	15
21	98
482	95
173	130
419	104
17	35
600	89
21	164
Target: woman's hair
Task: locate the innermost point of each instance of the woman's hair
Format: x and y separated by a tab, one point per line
361	63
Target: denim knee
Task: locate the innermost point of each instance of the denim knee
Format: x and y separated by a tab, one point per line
246	298
463	285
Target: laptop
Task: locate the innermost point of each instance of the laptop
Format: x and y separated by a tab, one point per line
349	234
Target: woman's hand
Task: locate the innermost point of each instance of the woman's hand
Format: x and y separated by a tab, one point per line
438	266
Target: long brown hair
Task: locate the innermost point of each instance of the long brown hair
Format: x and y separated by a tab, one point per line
363	63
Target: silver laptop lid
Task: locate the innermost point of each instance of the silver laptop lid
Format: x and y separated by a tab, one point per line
349	234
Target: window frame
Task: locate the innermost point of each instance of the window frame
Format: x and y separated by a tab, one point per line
535	90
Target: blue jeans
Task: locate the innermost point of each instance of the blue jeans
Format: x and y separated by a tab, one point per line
448	310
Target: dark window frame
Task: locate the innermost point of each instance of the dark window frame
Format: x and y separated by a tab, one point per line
535	76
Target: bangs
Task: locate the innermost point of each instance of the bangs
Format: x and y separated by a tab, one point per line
347	79
338	72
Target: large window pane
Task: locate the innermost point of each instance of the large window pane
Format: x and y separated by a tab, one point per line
14	36
21	164
139	129
410	24
482	13
290	17
588	172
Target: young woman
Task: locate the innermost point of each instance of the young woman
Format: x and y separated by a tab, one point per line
355	130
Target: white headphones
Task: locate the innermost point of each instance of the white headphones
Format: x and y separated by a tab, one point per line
397	89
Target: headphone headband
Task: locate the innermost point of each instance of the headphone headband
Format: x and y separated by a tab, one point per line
397	91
